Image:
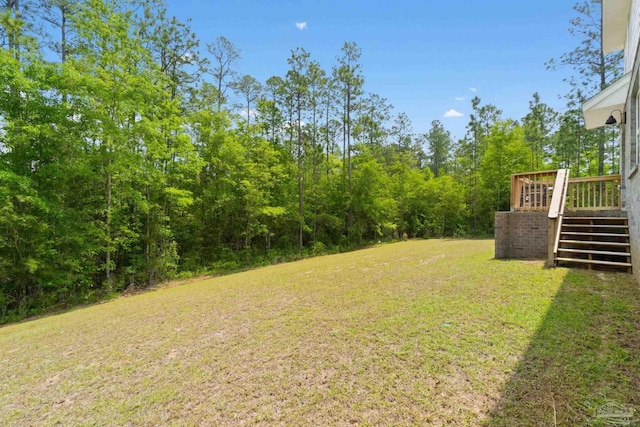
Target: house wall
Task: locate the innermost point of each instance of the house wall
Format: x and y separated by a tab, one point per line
521	235
633	36
630	140
633	214
631	177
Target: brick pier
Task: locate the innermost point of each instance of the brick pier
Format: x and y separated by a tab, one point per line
521	235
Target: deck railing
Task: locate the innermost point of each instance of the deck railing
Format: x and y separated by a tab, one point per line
598	192
532	191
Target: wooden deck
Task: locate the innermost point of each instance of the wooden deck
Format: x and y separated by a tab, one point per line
585	234
534	191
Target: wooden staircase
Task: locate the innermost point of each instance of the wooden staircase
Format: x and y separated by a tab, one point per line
596	241
587	225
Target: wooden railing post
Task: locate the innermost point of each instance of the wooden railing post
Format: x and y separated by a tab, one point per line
512	199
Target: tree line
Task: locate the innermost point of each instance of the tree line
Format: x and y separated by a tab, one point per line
130	153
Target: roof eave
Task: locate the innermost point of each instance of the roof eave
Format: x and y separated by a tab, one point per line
615	22
597	109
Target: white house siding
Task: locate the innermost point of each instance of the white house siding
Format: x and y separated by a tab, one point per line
633	36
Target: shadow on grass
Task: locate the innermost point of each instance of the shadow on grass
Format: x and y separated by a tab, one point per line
585	354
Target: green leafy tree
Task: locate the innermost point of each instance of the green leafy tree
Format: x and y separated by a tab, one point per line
225	56
507	153
370	126
272	108
445	210
538	126
298	83
439	142
115	75
348	77
317	79
373	205
59	13
472	150
250	90
409	186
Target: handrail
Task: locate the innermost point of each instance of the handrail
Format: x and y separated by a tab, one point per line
596	178
556	209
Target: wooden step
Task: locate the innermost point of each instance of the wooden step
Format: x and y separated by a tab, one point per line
596	226
595	218
600	229
576	233
594	242
592	252
595	261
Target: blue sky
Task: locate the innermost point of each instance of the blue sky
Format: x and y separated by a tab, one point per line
423	56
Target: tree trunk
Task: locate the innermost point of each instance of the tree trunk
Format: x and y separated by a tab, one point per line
349	158
602	135
108	226
219	93
327	134
315	175
13	36
344	144
63	37
601	139
300	195
579	151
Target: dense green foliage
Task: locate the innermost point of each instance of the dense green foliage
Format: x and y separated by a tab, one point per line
125	158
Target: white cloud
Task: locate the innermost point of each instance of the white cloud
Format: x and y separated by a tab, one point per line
252	113
473	89
459	98
188	57
453	113
301	25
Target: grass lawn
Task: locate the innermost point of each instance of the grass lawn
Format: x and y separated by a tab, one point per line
416	333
